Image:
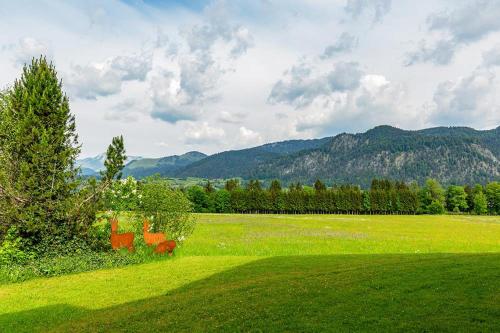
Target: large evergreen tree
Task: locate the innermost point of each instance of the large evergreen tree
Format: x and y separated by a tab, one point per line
38	149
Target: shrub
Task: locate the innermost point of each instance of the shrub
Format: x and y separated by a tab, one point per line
480	203
122	195
168	209
436	207
11	249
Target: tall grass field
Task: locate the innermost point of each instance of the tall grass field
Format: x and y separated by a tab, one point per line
274	273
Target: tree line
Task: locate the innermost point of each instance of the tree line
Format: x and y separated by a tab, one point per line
383	197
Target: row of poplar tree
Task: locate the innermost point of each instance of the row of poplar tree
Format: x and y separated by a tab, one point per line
383	197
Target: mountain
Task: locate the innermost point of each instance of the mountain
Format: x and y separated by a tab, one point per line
244	163
165	166
92	165
450	154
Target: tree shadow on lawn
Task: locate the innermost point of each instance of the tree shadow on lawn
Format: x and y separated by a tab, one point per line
408	292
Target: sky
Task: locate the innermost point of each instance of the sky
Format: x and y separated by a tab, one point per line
177	76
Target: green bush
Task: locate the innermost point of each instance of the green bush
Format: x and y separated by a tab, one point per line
168	209
69	263
436	207
12	249
122	195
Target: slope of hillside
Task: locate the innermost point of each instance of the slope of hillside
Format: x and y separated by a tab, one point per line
452	155
164	166
96	163
244	163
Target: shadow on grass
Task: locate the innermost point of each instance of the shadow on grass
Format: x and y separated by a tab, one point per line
432	292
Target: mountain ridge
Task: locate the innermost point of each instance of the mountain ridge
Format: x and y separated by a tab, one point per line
450	154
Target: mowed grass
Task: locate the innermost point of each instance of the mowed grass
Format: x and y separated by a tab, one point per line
273	235
285	273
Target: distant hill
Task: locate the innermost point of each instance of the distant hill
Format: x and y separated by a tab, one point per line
244	163
164	166
92	165
450	154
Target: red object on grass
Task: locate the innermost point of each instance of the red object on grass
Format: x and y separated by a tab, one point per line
151	238
159	239
166	246
121	240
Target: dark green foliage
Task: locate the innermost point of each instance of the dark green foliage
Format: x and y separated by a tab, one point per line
480	203
275	187
38	149
208	187
456	199
384	197
222	201
167	209
232	184
199	199
469	197
432	197
319	186
493	197
115	160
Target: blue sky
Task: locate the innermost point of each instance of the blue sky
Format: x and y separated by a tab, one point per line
175	76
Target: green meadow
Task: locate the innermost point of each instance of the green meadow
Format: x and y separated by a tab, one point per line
262	273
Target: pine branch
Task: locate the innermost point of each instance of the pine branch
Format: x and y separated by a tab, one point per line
4	192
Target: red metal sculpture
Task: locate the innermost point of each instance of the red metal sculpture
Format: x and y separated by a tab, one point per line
159	239
166	246
121	240
151	238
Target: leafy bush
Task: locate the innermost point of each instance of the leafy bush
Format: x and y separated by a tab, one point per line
11	249
436	207
168	209
70	263
122	195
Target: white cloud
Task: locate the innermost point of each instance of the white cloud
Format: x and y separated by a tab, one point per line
491	57
457	28
137	68
375	101
106	78
190	80
469	100
28	48
248	136
203	133
128	110
231	118
344	44
172	103
303	84
377	9
439	54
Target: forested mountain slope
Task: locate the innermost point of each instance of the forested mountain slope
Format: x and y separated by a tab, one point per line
164	166
244	163
452	155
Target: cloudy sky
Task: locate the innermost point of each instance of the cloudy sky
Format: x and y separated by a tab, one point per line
175	76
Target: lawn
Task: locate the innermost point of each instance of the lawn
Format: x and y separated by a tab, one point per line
285	273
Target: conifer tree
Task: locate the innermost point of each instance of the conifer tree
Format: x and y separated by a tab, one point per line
319	186
115	159
38	148
232	184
